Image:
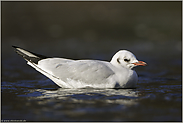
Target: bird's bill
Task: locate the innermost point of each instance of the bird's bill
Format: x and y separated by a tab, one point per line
140	63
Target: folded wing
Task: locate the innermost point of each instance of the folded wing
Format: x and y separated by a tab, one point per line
85	71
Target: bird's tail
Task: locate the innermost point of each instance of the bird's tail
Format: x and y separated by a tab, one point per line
29	56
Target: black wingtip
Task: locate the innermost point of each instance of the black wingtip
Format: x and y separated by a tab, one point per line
22	52
14	46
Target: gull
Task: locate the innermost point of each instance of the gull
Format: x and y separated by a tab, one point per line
67	73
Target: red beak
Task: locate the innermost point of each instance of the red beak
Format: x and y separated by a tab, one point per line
140	63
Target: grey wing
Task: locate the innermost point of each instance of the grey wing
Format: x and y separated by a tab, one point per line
51	64
87	71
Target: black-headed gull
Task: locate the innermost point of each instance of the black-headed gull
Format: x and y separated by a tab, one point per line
68	73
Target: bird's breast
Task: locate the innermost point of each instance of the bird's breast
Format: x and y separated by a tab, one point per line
127	79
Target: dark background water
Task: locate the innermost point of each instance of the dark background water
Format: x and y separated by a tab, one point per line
92	30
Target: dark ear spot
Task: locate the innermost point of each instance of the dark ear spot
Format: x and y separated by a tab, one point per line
126	60
118	60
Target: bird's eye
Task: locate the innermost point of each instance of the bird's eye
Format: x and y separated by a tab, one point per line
126	60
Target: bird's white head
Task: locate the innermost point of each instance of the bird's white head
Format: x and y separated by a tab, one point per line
126	59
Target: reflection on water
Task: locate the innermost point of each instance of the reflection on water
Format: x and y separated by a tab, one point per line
142	104
120	96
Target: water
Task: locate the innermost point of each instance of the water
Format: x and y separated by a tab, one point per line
97	32
155	104
29	96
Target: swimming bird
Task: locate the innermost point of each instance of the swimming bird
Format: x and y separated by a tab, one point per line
68	73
